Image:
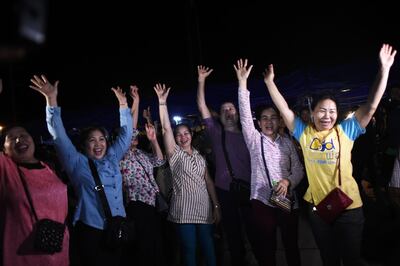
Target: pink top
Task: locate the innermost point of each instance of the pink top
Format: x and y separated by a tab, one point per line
49	196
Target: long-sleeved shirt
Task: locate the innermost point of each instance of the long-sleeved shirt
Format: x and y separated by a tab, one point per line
238	155
280	155
89	209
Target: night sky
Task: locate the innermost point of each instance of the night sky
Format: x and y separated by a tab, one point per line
91	47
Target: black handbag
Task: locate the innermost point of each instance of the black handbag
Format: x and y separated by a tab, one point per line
238	187
48	234
284	203
119	230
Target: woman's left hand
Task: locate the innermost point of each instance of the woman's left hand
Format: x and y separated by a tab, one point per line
217	214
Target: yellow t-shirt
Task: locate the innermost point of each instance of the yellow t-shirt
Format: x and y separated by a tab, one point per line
321	150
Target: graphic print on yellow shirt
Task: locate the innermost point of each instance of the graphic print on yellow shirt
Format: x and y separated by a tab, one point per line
321	151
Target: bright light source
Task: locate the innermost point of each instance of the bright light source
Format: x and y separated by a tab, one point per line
350	115
345	90
177	119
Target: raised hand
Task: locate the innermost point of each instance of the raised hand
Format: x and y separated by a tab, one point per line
162	92
150	132
120	94
269	74
42	85
386	55
203	72
134	93
242	71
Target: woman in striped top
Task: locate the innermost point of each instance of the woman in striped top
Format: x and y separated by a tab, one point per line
194	205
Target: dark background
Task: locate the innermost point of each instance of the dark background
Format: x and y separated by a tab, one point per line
92	46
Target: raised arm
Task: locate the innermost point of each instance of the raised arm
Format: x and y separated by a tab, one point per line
203	72
66	151
123	140
121	97
168	136
134	93
246	118
49	91
365	112
152	137
280	102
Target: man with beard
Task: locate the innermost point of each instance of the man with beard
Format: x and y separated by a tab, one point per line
232	161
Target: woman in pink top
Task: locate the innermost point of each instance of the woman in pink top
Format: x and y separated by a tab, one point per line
49	199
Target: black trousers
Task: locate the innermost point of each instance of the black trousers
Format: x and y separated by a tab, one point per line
340	241
235	218
147	248
91	249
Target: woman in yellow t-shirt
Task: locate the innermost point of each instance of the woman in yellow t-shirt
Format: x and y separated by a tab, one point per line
324	141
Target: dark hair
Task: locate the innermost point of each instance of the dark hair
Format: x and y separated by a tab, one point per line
4	132
260	108
326	95
182	125
85	132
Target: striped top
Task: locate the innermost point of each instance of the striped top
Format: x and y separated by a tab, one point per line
190	202
280	156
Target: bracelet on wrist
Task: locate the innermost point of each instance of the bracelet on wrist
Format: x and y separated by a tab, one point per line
164	103
123	104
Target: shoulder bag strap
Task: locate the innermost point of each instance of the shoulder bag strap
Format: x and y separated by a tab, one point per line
228	163
265	163
100	189
338	164
28	194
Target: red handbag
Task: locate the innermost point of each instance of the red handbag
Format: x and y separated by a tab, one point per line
333	205
336	201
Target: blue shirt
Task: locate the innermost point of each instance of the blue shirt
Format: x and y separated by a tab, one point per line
89	209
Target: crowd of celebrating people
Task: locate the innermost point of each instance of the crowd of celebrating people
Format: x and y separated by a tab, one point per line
240	181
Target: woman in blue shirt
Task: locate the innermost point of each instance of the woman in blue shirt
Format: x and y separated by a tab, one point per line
89	218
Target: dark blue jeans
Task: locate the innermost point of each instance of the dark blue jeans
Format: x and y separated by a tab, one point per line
188	234
340	241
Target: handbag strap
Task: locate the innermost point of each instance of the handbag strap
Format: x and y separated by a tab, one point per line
28	194
228	162
100	189
339	173
265	163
